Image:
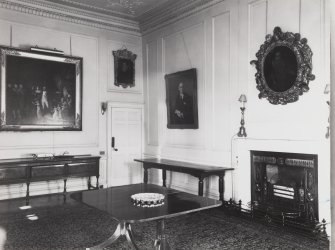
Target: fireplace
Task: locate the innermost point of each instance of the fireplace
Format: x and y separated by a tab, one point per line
286	183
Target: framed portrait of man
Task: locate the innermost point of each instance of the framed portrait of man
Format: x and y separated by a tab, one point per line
124	68
181	100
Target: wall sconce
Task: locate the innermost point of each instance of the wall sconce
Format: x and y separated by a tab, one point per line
242	132
103	107
326	92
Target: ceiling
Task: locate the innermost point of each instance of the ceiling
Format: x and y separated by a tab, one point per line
130	8
136	17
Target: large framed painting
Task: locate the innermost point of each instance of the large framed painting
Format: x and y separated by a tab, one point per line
40	91
181	99
124	68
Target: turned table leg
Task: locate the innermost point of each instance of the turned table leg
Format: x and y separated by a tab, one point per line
145	180
27	194
164	177
201	186
89	183
97	185
161	242
221	186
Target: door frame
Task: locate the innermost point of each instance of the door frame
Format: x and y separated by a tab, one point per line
110	106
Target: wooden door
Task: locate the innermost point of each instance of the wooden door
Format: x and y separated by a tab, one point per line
125	144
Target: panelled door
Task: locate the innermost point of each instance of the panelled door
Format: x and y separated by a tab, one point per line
125	144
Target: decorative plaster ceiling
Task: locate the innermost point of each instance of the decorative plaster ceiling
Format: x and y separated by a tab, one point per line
131	8
129	16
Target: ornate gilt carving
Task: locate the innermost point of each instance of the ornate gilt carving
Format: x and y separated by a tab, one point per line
78	121
76	62
287	57
5	52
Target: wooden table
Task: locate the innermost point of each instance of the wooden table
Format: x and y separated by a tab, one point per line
198	170
116	202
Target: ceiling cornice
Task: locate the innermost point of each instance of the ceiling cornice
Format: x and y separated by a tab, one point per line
72	15
156	18
172	12
95	9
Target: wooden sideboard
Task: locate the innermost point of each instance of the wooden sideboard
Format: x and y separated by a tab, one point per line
27	170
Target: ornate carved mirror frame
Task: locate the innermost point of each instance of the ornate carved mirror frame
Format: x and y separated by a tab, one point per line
284	67
124	68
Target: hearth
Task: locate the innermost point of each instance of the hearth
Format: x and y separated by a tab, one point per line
285	183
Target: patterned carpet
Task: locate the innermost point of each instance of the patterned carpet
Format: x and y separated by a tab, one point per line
76	226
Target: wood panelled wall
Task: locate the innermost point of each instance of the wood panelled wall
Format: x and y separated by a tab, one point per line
220	43
95	46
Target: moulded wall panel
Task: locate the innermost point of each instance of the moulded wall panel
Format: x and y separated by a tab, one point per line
181	52
306	18
313	30
221	81
87	48
152	94
5	33
21	140
176	56
285	14
26	36
257	26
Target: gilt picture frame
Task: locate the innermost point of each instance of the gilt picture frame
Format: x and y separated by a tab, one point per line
40	91
284	67
124	68
181	100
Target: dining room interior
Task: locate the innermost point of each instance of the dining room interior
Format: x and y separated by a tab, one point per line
219	109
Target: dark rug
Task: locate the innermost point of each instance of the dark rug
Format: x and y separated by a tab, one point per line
76	226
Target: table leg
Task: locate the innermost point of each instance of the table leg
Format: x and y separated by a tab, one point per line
64	191
130	236
221	186
97	185
123	228
164	177
27	194
145	175
89	183
201	186
161	241
117	233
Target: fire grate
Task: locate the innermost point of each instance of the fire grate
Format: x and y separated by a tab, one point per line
286	183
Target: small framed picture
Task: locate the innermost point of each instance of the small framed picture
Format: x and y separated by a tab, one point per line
181	100
124	68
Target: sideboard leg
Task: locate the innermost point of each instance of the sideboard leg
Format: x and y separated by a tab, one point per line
64	191
201	186
27	194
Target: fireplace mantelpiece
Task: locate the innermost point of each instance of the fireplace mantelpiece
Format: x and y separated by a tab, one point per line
286	182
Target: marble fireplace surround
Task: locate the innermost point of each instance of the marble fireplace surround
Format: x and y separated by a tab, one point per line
242	147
